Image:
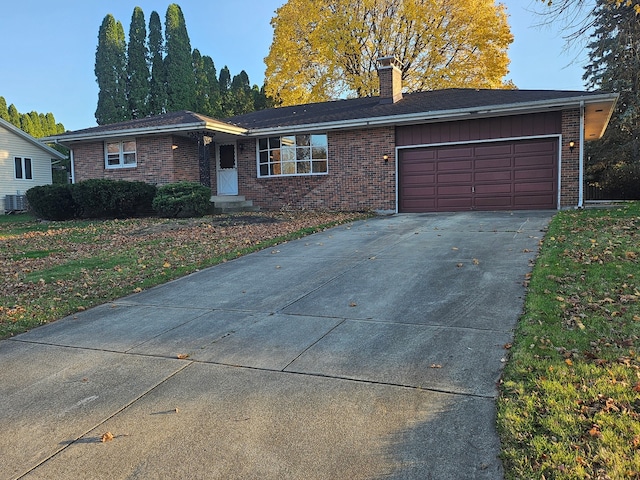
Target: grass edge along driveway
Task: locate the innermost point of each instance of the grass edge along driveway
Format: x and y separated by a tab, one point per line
49	270
569	405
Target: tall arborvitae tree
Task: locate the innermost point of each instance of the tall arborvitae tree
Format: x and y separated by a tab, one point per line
614	65
157	87
110	70
224	83
180	78
241	94
201	104
137	66
4	110
214	88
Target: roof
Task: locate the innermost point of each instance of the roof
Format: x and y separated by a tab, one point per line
34	141
419	107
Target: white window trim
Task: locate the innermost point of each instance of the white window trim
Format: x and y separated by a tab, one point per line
121	154
24	169
310	174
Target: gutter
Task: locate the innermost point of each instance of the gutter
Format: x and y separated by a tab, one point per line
187	127
438	115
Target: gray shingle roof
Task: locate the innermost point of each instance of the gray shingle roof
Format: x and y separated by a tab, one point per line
412	103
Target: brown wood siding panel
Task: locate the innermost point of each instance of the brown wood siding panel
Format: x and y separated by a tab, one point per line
548	123
490	176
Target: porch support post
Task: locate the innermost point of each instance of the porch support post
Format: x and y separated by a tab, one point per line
204	162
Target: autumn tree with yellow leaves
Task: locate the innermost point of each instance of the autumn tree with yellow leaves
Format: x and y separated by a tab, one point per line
323	50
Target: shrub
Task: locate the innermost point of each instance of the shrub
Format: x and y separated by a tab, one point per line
100	198
182	199
622	182
51	202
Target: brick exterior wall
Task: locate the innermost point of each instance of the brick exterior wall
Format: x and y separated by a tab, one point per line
358	177
570	165
158	162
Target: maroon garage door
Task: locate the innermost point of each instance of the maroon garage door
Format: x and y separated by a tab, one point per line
510	175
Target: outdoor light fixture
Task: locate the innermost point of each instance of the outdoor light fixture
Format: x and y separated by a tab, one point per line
572	145
385	158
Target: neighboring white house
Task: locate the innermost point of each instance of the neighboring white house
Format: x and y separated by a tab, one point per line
24	162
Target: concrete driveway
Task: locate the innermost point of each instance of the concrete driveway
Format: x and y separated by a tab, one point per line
368	351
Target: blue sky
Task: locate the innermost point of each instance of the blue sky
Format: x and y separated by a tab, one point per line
48	52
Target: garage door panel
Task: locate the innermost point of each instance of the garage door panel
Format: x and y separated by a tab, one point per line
493	163
454	178
454	203
488	203
504	175
498	188
543	173
533	161
538	187
418	180
493	150
455	152
449	165
533	202
499	176
541	146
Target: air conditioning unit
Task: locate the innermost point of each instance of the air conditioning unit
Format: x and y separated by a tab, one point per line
15	203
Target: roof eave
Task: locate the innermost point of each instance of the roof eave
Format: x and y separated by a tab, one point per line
186	127
442	115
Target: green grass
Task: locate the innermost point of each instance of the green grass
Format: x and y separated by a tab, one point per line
570	395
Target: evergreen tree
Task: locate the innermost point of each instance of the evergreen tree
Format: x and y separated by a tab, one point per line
4	111
224	84
36	125
180	78
137	66
614	65
26	125
110	70
241	94
157	87
215	106
14	116
203	90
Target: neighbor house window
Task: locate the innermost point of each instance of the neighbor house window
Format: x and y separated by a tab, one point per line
292	155
120	154
23	168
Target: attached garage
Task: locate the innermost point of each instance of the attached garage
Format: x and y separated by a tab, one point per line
485	175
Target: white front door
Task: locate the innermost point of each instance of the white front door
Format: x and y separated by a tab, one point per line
227	171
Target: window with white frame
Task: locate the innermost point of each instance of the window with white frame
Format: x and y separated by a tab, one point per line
120	154
292	155
23	168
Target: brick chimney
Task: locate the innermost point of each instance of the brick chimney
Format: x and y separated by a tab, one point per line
390	76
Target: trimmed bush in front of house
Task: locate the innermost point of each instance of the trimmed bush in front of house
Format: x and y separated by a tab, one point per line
182	199
92	199
99	198
52	202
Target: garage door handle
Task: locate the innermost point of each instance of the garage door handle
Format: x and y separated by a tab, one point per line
473	189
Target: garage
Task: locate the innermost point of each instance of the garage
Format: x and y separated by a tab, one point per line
499	175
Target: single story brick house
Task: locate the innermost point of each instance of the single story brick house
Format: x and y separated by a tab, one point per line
443	150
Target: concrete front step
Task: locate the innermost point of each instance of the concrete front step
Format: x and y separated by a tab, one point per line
232	204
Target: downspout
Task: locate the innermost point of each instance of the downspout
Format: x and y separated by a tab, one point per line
73	166
581	159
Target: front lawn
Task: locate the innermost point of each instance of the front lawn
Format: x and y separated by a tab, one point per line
52	269
570	394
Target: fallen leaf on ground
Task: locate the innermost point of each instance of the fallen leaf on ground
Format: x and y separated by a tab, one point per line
436	365
182	356
106	437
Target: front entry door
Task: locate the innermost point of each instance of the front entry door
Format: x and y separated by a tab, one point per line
227	171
